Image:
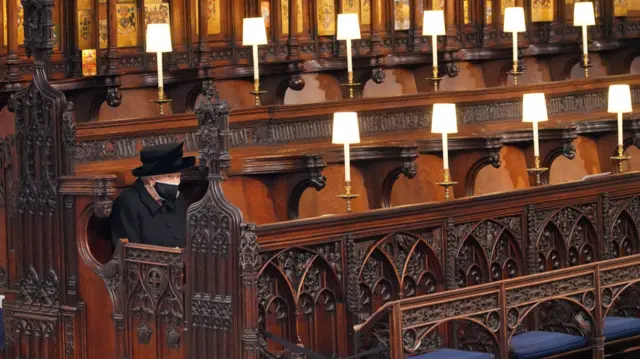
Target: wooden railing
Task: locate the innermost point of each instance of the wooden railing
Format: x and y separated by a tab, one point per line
573	300
324	274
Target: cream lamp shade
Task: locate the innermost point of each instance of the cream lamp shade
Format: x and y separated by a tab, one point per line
534	108
443	119
159	38
348	27
619	99
583	14
433	23
345	128
253	31
514	19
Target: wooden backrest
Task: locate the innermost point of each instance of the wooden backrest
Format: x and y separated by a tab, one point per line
367	260
577	300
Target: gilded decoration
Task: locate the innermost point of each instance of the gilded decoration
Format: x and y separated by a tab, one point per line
488	12
299	17
620	8
438	5
465	8
326	16
402	14
365	12
20	23
157	13
127	25
89	66
265	12
213	17
84	28
350	6
284	16
103	27
4	21
542	10
505	4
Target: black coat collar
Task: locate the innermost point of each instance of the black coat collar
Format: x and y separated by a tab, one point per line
149	201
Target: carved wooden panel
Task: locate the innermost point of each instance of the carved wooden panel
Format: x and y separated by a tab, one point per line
155	302
565	237
487	251
301	298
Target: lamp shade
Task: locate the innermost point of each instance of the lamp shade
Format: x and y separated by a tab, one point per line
619	99
433	23
345	128
514	19
583	14
159	38
253	31
534	108
348	27
443	119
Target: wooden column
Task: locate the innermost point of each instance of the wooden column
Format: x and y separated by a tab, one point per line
13	58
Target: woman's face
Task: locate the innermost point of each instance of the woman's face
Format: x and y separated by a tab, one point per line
171	178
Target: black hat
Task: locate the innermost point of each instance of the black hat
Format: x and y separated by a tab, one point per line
162	159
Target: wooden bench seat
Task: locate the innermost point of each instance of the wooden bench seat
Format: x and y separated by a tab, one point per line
537	344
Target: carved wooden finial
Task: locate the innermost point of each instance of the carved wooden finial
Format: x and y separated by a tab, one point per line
213	132
39	37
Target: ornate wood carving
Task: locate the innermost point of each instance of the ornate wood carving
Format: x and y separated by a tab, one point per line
41	218
224	310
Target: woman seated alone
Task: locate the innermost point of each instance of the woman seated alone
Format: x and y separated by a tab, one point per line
151	210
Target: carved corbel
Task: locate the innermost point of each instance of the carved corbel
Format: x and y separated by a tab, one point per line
448	66
377	73
114	96
296	82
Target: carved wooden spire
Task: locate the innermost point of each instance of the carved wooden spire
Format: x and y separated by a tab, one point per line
43	269
222	251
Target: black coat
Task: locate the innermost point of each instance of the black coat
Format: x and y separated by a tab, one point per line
139	218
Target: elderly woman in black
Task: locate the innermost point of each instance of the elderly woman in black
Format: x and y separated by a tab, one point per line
151	210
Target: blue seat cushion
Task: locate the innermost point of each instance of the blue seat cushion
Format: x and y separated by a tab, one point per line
451	354
620	327
532	345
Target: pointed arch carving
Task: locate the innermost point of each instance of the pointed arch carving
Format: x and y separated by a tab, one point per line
565	237
300	295
398	265
488	250
623	228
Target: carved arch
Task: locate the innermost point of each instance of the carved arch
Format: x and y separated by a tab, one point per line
410	170
560	321
471	264
293	205
296	284
625	302
478	341
564	237
566	149
276	302
499	247
111	272
398	265
470	181
192	97
624	235
569	65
